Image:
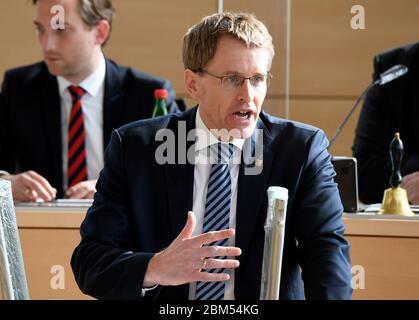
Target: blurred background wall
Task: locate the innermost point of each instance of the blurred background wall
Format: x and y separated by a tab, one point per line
330	63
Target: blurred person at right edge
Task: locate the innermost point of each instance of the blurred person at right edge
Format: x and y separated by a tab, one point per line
390	108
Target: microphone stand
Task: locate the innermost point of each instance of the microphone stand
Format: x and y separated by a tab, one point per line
389	75
338	130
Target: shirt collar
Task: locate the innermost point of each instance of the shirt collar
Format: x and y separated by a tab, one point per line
209	137
91	84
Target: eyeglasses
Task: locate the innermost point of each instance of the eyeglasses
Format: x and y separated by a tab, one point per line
233	81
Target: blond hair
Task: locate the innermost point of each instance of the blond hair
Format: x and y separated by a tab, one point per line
200	41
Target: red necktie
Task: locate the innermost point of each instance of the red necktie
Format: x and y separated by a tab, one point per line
77	168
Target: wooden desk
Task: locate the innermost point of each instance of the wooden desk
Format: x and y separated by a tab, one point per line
387	249
48	237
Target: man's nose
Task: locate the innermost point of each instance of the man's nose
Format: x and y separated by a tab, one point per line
246	91
49	42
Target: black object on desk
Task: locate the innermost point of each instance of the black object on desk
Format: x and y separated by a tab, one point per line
347	181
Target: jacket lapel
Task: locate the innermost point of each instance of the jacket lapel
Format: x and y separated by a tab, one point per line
113	94
180	178
51	109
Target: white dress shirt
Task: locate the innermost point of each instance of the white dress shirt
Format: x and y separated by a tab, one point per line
92	107
201	176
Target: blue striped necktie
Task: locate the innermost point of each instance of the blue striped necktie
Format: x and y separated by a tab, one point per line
217	214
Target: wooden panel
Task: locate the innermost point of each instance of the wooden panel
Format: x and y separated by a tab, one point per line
328	57
274	106
148	35
328	115
42	249
391	267
17	33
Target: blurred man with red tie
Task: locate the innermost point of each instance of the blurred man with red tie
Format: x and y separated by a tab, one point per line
56	116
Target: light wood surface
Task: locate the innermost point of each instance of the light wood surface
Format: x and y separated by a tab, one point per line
321	112
329	58
382	225
48	237
64	218
385	247
43	249
391	266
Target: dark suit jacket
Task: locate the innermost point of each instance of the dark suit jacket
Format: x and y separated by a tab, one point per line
141	206
30	115
393	107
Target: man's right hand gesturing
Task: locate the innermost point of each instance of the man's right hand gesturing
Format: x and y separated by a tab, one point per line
186	257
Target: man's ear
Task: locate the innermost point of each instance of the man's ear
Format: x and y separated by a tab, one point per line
192	84
103	29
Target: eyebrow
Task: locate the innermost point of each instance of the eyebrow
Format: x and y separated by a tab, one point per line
230	72
39	24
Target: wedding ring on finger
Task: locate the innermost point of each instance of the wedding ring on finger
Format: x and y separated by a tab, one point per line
205	264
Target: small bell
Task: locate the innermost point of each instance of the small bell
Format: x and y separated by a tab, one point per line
395	198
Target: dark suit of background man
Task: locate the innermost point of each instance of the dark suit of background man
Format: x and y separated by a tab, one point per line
151	229
393	107
35	101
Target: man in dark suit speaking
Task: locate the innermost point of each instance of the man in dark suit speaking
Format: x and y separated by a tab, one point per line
177	217
56	116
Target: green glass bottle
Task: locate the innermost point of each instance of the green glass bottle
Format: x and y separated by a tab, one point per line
160	107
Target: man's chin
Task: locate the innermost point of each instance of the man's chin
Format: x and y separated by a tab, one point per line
54	69
242	128
243	133
235	133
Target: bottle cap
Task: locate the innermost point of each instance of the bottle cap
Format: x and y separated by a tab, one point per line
160	94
